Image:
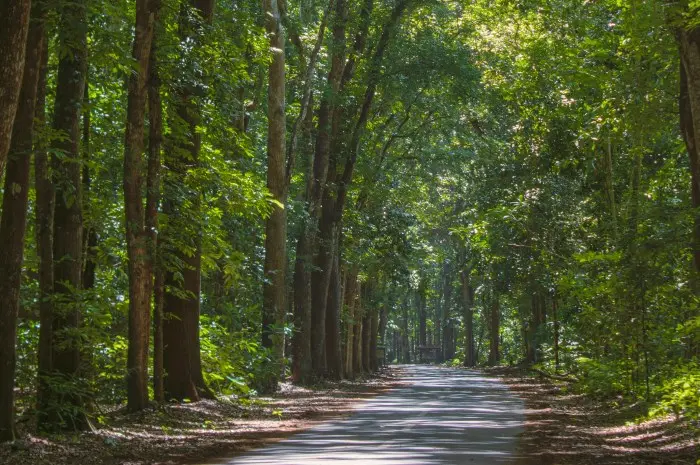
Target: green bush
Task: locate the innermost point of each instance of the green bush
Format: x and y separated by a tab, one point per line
680	395
602	380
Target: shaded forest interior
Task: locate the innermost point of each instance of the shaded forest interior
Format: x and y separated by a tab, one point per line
204	198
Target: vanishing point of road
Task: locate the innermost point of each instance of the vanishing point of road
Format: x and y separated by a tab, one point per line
441	416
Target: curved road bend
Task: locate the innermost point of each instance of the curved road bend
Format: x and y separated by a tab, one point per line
443	416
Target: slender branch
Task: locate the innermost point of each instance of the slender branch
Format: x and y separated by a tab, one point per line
306	95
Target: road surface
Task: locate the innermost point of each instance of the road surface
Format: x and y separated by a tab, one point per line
443	416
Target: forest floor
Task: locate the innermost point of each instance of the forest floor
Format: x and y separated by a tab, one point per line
192	433
563	428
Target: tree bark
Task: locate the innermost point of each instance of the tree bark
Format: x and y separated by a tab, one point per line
555	318
383	321
357	329
534	328
90	234
689	42
335	191
138	237
315	197
494	332
301	305
301	338
333	335
68	223
366	336
320	285
275	266
14	217
468	315
373	338
350	298
44	214
445	311
14	24
405	347
155	139
182	361
422	313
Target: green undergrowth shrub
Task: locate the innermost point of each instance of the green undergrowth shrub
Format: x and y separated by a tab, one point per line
231	360
677	392
680	394
602	380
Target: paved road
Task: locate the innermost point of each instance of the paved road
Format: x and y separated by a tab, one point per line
444	416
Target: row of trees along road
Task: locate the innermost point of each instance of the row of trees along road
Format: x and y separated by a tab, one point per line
201	197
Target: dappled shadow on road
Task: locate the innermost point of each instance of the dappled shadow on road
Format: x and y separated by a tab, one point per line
444	416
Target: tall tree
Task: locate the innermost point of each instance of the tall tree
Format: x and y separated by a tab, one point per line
335	193
182	361
467	298
494	316
301	337
44	214
689	105
14	215
67	228
155	139
140	249
307	298
689	43
275	266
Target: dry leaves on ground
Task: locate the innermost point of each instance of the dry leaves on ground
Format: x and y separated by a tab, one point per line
194	433
569	429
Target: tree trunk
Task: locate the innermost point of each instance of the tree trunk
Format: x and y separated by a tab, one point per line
44	214
275	266
383	321
555	318
90	233
182	362
357	329
321	280
446	313
333	335
494	332
468	315
689	106
301	338
366	336
138	237
155	138
14	217
68	223
689	41
422	316
350	298
405	355
437	323
335	192
373	336
14	24
534	327
317	202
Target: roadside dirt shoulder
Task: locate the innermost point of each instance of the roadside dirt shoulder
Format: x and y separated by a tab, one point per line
198	432
563	428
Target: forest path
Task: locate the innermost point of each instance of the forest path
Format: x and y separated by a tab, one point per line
441	416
